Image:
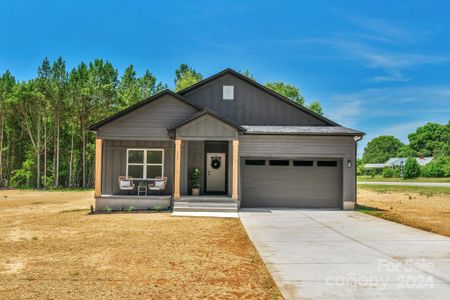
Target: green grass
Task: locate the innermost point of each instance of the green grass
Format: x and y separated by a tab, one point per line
373	211
74	210
390	216
419	179
422	190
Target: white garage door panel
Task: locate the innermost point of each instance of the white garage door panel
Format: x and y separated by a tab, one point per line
291	186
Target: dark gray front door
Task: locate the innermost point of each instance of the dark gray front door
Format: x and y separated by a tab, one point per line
301	183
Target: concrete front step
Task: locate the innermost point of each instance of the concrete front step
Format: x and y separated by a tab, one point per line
217	199
205	209
205	214
204	204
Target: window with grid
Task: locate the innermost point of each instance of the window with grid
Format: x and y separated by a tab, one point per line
145	163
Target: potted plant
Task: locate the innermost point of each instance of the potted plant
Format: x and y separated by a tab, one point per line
195	177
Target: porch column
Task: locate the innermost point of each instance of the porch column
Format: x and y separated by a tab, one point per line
98	167
176	181
234	186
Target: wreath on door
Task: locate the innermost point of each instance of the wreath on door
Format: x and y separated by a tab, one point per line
215	162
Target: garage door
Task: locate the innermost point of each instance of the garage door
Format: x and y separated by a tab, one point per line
301	183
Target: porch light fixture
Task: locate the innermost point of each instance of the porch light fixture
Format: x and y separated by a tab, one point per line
349	164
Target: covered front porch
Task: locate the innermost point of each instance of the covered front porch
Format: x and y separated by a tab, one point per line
203	142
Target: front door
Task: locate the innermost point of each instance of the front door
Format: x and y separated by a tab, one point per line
215	172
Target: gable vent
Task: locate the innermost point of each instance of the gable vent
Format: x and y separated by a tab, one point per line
228	92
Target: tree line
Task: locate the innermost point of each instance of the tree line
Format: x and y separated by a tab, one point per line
429	140
44	121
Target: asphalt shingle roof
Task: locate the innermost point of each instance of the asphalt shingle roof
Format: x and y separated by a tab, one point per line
306	130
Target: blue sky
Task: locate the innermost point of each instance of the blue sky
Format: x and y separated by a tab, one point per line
381	67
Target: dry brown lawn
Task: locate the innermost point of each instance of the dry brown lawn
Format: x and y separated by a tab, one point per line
427	212
52	248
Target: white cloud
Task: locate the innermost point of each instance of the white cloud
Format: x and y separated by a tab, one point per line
399	130
385	30
392	75
390	96
388	110
391	63
379	44
346	114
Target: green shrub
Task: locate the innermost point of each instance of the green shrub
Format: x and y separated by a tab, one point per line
438	167
447	170
411	169
388	172
47	182
22	177
396	172
372	172
359	167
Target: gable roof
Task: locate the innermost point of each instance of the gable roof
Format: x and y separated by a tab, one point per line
140	104
261	87
209	112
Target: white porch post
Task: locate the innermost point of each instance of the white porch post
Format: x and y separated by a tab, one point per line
177	177
234	186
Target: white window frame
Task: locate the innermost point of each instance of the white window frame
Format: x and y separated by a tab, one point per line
145	164
232	92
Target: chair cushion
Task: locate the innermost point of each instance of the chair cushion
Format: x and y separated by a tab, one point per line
126	183
159	184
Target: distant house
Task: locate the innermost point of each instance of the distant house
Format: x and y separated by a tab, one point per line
397	162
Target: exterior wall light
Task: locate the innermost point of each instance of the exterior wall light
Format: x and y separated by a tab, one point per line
349	164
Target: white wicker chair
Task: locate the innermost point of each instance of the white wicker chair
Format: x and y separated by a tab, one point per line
158	185
126	183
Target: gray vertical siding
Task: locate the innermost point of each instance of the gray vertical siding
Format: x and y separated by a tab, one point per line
207	127
184	167
251	106
149	122
114	162
306	146
196	159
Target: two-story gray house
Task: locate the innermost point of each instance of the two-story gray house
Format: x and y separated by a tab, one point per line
252	146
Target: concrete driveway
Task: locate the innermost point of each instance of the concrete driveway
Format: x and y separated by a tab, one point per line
317	254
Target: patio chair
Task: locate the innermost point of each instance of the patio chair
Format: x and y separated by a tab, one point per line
158	185
126	183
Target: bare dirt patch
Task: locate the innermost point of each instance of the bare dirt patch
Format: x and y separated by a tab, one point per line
52	248
416	209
